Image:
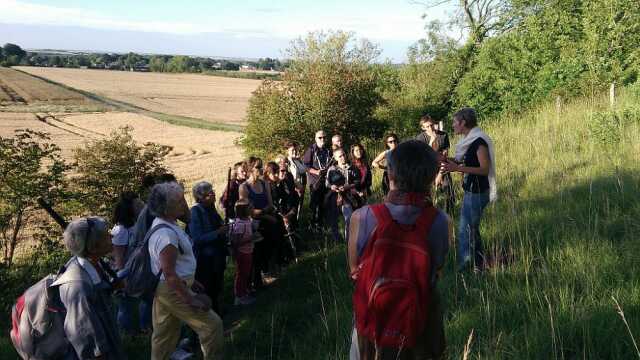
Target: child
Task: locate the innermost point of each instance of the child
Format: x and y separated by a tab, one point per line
241	237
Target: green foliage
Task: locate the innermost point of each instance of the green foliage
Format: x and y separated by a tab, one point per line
607	127
612	32
30	167
329	86
11	55
109	166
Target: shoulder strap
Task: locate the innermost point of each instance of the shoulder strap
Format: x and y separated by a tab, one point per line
382	214
158	227
426	218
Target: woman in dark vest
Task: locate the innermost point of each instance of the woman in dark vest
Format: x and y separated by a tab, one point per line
258	193
380	162
475	158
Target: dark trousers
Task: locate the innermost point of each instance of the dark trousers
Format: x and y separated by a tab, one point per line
316	204
210	273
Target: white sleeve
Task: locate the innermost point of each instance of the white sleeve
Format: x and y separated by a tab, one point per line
162	238
120	236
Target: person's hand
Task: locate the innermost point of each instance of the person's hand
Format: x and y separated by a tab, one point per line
334	188
223	229
285	220
197	287
341	188
200	302
449	166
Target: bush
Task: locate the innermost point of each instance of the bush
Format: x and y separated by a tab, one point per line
329	86
606	126
109	166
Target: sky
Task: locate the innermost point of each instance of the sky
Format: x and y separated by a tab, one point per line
240	28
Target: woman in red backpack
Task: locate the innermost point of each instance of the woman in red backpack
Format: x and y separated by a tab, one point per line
396	249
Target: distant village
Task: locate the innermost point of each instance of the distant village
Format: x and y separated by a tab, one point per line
260	68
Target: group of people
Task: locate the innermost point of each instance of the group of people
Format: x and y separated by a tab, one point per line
262	204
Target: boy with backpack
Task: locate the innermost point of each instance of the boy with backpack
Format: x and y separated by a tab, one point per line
396	249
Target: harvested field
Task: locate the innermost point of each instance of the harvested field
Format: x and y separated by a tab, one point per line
210	98
197	154
22	88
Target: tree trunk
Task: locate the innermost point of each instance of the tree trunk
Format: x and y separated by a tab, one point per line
11	247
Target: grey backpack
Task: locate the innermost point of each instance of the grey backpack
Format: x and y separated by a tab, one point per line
141	281
37	320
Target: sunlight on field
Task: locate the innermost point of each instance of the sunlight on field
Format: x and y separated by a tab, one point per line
197	154
211	98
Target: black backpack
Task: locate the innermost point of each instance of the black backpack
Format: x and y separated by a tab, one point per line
141	281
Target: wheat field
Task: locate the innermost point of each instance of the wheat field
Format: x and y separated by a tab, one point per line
210	98
197	154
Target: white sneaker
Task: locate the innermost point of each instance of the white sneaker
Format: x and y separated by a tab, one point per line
245	300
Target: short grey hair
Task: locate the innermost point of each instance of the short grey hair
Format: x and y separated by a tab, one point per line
201	189
82	235
163	198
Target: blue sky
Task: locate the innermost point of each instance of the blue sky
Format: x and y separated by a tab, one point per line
247	28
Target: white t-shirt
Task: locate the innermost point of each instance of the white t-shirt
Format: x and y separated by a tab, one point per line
121	236
186	262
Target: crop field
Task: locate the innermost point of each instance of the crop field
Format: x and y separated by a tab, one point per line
210	98
197	154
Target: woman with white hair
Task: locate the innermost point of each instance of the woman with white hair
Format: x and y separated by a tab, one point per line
209	235
85	292
178	297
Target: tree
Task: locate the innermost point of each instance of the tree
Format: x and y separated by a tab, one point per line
131	60
181	63
109	166
30	167
230	66
13	49
330	85
157	64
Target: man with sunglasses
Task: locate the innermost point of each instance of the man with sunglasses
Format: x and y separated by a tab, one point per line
317	159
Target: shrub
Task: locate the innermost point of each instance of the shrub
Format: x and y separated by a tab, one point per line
109	166
329	86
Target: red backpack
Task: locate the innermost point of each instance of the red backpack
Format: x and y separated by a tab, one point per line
393	286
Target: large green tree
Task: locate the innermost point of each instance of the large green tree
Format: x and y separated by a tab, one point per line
330	85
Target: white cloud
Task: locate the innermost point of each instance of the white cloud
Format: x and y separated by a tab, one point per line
34	14
403	26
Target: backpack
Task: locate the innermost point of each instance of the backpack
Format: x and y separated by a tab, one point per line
393	287
141	281
37	321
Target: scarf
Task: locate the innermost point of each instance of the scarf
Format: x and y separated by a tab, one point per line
463	146
398	197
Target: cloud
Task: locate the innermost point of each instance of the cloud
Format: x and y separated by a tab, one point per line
375	24
19	12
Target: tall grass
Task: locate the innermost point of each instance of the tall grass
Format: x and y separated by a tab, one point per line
563	236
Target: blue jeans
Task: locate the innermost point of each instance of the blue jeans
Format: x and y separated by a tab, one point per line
333	214
126	313
469	240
